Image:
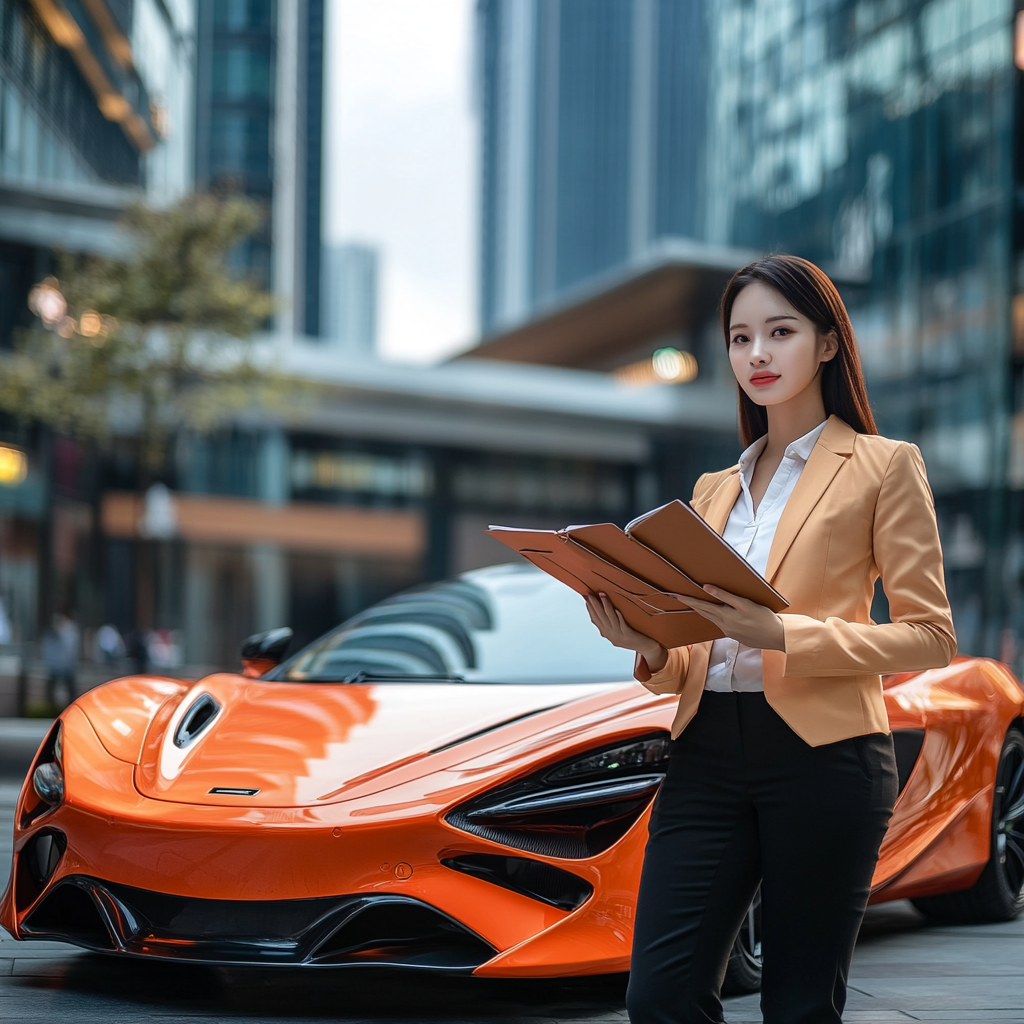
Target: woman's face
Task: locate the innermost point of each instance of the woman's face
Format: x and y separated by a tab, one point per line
775	351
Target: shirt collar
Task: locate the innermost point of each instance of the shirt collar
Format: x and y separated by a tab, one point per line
800	449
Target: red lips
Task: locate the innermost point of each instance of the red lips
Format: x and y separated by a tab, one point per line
760	380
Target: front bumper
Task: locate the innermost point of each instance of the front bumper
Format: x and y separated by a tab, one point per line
378	930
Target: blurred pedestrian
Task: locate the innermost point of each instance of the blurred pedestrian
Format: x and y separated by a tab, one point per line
138	651
60	653
109	644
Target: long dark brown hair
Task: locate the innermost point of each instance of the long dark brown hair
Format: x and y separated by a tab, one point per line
810	292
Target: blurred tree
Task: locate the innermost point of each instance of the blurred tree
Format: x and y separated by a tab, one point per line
145	344
151	342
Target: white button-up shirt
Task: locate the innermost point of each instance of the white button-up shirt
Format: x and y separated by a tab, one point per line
734	667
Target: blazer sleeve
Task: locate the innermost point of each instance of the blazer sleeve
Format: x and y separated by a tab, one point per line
908	556
671	678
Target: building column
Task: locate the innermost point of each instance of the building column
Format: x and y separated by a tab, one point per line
269	564
198	613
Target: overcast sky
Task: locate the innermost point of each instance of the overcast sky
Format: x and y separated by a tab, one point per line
400	163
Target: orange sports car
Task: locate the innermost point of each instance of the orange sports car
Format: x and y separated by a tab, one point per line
458	778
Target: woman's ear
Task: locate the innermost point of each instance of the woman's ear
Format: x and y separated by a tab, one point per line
830	346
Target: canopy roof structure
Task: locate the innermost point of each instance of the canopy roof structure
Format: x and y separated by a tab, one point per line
624	316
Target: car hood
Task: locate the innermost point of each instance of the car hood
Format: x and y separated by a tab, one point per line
303	745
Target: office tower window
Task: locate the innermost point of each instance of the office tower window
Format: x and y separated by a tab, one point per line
258	131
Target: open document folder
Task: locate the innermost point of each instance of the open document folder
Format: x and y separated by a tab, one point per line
668	551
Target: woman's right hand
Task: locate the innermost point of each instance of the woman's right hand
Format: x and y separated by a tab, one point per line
614	628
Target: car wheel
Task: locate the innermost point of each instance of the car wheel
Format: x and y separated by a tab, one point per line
743	973
998	894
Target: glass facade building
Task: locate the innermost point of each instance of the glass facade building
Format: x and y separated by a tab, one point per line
51	128
878	139
349	297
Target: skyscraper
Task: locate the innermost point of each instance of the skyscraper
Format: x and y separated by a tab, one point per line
349	297
259	108
592	119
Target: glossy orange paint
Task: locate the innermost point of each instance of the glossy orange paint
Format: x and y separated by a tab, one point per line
355	783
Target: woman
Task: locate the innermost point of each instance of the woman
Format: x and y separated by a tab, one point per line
782	771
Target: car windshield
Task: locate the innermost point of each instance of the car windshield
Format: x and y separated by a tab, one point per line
505	624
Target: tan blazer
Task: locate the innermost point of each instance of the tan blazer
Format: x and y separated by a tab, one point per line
861	508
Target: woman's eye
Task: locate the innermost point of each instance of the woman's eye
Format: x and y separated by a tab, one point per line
781	331
739	338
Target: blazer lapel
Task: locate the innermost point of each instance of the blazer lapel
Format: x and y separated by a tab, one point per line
829	453
719	505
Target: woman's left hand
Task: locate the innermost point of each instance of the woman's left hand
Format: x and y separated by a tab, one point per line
752	624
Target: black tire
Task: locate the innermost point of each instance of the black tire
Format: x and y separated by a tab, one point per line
743	973
998	894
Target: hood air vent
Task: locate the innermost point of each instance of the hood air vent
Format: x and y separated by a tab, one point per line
203	711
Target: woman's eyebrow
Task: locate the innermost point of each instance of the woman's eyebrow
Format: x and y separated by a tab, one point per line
767	320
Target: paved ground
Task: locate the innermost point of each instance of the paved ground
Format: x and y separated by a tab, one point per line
905	969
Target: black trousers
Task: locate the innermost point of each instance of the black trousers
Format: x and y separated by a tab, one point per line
747	802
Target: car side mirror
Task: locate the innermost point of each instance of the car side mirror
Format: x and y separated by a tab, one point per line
263	651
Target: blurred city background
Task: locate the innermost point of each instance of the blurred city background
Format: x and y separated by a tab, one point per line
495	234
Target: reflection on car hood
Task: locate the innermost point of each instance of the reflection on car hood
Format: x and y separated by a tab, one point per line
300	745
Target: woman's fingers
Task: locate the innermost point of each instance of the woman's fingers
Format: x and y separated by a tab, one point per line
733	600
595	612
609	621
600	617
716	613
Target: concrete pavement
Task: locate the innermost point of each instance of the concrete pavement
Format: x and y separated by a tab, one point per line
905	969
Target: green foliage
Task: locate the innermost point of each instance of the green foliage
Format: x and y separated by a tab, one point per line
151	342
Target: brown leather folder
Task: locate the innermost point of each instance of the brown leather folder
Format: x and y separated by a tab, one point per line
665	552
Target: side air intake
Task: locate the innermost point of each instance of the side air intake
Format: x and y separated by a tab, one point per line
403	932
527	877
37	862
70	913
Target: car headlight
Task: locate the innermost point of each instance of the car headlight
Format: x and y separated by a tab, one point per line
48	782
650	754
47	778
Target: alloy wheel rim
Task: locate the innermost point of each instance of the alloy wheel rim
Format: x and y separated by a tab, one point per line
1010	822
